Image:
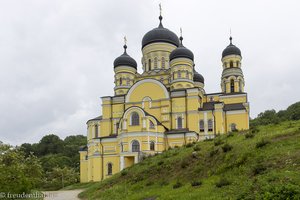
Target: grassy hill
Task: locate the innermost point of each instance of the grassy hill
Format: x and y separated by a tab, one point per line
258	164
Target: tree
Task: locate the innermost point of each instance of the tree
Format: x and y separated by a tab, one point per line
50	144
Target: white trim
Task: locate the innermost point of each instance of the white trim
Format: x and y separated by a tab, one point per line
139	134
146	81
232	95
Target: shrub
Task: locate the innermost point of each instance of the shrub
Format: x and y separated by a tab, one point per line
223	182
149	183
258	169
124	173
262	143
230	134
218	142
283	191
160	162
197	148
164	182
188	145
208	139
196	183
213	152
195	155
184	163
226	147
177	185
249	135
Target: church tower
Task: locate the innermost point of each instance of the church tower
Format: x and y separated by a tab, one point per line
182	67
232	80
125	68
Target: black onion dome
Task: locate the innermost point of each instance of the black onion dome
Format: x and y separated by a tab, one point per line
198	77
160	34
181	52
125	59
231	50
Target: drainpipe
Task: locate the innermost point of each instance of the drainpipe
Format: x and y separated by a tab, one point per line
102	174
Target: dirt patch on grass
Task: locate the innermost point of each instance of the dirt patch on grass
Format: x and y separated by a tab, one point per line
285	136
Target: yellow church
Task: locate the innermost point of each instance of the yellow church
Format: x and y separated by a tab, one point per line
164	106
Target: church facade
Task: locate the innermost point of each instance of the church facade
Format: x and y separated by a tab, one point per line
164	106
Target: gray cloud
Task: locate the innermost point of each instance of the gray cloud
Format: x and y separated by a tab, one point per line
56	56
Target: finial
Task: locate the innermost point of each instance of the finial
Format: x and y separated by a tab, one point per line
180	38
125	42
230	38
160	17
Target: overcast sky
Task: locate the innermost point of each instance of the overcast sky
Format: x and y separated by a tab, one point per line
56	56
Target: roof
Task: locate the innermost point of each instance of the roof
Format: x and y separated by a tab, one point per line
234	106
208	106
95	119
125	59
177	131
231	50
181	52
83	148
109	136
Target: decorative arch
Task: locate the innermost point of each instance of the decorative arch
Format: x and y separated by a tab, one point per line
109	168
135	146
152	146
145	99
165	91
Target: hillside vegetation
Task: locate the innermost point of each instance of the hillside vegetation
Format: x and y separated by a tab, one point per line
262	163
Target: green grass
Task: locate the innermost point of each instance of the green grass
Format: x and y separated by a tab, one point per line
238	167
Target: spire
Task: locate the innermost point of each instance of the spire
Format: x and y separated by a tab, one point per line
181	38
125	46
230	38
160	17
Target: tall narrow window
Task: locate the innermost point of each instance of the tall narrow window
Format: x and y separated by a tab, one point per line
150	64
151	125
163	62
179	122
135	147
231	64
120	81
210	125
127	81
237	63
201	125
152	146
135	119
109	169
187	74
96	131
231	85
233	127
179	74
155	63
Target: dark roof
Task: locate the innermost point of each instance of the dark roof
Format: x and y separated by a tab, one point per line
109	136
147	114
234	106
208	106
83	148
125	59
160	34
177	131
95	119
198	77
231	50
232	93
181	52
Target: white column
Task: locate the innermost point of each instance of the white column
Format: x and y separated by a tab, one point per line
121	163
125	124
136	159
144	123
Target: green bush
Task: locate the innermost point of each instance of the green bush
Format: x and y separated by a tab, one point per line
230	134
213	152
160	162
197	148
223	182
262	143
227	147
188	145
249	135
283	191
177	185
258	169
184	163
218	142
196	183
124	173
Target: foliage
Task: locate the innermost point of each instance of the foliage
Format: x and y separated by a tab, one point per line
18	173
222	182
226	147
263	142
177	185
196	183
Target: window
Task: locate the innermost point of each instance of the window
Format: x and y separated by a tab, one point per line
187	74
86	157
163	62
109	169
162	79
155	63
152	146
231	85
179	74
96	131
201	125
135	119
237	63
225	64
210	125
135	146
120	81
179	122
127	81
231	64
233	127
151	124
149	64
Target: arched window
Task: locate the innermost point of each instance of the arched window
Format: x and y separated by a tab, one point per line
109	169
135	146
120	81
151	125
201	125
96	131
127	81
233	127
149	64
231	85
210	125
179	122
179	74
237	63
152	146
135	119
187	74
225	64
231	64
163	62
155	63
